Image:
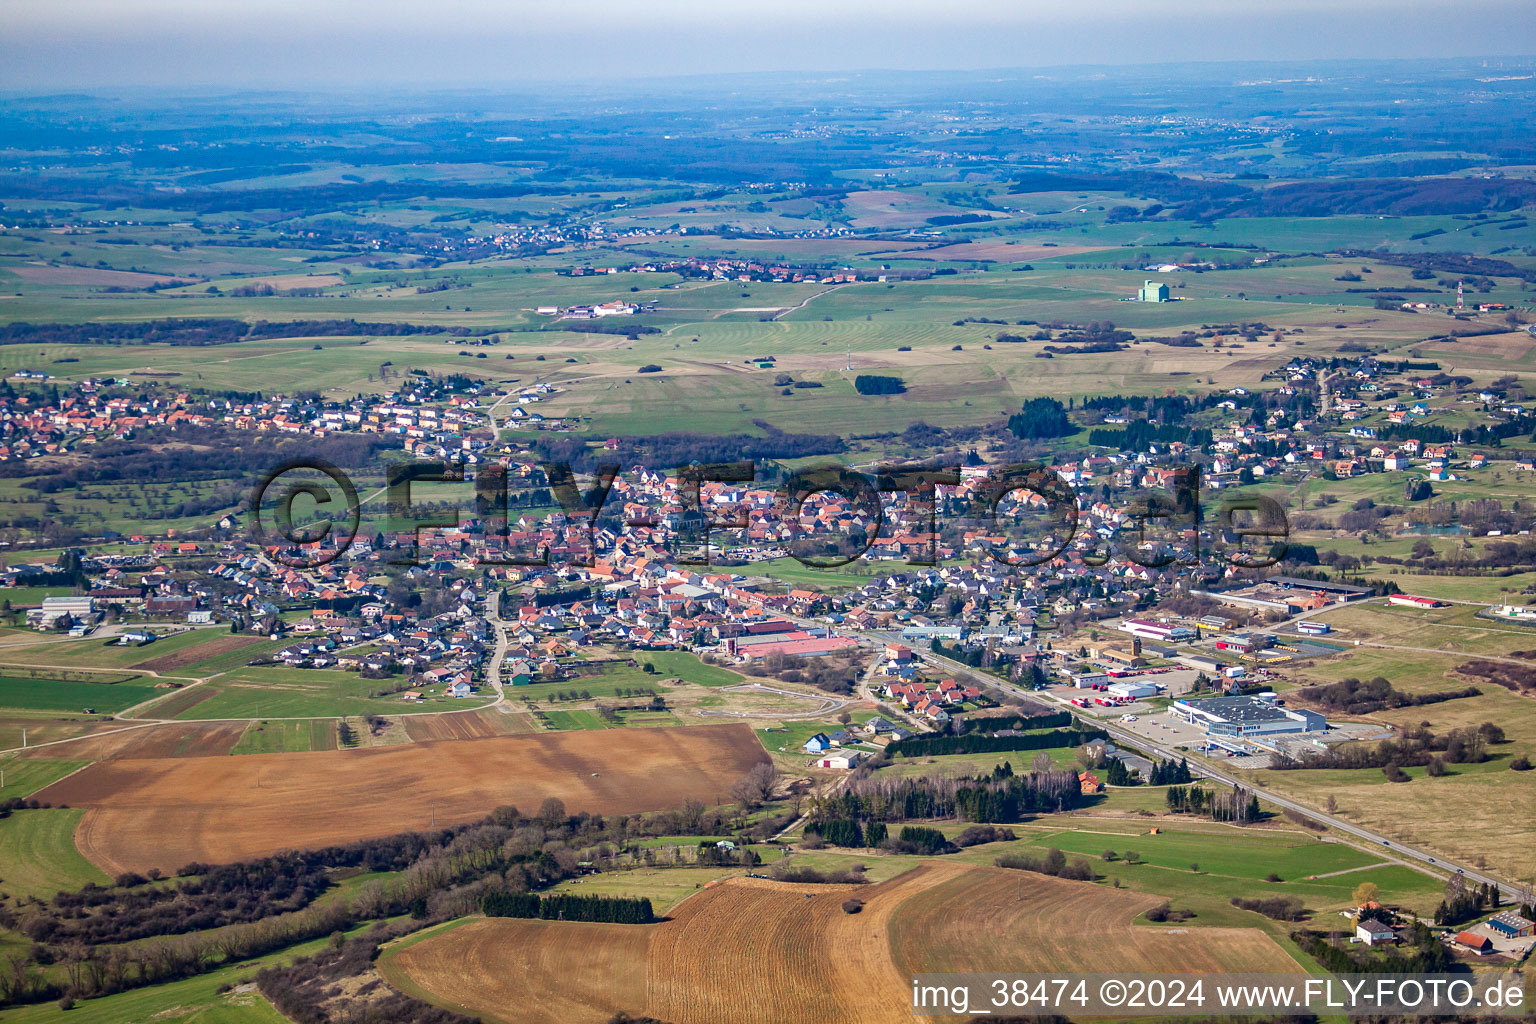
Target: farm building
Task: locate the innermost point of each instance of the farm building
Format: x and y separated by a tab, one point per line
843	762
1474	943
1409	601
1511	924
1244	716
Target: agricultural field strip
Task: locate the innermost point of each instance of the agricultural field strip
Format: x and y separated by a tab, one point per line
166	811
808	957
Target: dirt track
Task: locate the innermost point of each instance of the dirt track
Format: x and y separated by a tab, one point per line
165	812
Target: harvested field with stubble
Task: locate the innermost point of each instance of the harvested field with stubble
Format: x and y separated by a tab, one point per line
758	951
163	812
460	725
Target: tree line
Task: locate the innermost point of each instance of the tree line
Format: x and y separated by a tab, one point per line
932	745
568	907
1417	747
1000	797
1237	805
189	331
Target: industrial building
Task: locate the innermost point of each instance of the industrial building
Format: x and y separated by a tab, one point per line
1148	630
1258	715
79	610
1244	643
1511	925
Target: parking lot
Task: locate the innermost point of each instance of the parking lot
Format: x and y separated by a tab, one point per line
1168	730
1162	728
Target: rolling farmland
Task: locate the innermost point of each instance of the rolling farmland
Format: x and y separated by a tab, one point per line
163	812
756	950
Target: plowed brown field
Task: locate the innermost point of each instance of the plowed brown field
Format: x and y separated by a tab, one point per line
751	951
165	812
196	653
194	739
455	725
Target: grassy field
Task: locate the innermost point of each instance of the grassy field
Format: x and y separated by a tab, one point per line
688	668
26	775
285	737
578	718
27	597
1446	813
37	851
968	765
96	652
1231	862
1455	629
797	574
192	1001
33	694
664	887
261	692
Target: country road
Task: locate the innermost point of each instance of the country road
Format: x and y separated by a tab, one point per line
1130	739
1426	862
493	668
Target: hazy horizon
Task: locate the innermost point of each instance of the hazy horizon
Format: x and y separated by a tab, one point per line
277	44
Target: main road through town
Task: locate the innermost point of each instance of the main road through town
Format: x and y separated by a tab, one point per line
1387	845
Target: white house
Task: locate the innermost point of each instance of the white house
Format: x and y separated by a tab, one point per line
1372	932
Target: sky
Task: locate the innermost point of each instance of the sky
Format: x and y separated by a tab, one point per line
53	44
